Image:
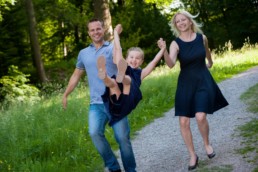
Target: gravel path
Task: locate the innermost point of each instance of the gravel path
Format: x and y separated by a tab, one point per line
159	146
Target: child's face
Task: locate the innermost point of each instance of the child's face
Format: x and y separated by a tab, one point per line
134	59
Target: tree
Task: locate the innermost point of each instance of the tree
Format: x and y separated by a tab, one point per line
101	10
34	40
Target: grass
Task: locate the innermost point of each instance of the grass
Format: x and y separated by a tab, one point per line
44	137
249	131
222	168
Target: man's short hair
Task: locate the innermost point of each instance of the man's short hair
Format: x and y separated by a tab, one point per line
95	20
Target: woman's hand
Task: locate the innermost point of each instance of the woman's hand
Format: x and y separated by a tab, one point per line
161	43
209	64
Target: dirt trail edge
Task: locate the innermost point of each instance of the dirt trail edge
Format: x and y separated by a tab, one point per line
159	147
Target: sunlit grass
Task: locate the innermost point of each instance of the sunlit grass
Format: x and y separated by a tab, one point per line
229	64
44	137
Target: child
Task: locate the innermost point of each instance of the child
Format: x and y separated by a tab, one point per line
123	91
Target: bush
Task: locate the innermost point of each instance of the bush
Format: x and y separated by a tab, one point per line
14	89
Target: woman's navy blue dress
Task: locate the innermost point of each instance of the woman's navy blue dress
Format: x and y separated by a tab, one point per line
120	108
196	89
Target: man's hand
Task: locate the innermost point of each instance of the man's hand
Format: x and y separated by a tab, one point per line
64	101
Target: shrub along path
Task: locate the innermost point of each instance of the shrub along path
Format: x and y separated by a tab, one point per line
159	146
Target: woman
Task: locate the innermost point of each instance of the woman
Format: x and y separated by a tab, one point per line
197	93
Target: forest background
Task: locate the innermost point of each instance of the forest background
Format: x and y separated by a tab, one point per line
40	39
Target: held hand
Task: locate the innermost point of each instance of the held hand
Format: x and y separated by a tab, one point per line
164	45
161	43
119	28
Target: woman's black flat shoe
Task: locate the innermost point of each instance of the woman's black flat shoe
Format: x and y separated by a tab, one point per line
192	167
212	155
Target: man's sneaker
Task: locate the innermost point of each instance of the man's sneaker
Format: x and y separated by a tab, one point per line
116	171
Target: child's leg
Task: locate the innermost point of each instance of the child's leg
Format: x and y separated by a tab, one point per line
117	51
115	90
101	64
126	84
109	82
121	66
118	55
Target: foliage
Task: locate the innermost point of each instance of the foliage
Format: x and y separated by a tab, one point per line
15	88
44	137
62	27
65	29
3	5
14	44
224	20
61	24
143	24
159	3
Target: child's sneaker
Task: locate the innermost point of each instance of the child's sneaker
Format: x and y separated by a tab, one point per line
121	66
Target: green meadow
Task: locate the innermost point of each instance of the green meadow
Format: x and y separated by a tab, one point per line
44	137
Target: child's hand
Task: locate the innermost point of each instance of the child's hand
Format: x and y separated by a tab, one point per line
119	28
161	43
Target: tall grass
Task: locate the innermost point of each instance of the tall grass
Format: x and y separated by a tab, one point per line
44	137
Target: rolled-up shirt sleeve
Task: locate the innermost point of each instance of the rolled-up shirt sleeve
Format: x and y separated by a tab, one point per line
79	64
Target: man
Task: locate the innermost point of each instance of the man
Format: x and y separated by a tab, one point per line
98	116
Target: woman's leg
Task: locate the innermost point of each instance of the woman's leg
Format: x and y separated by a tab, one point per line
203	126
188	139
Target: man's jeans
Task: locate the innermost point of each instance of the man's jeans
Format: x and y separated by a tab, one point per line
98	118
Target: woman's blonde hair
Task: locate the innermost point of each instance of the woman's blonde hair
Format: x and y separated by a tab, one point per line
135	49
195	26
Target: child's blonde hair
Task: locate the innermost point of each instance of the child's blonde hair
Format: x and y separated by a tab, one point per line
195	26
135	49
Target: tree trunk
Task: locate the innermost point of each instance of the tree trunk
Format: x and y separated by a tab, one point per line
34	41
101	11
